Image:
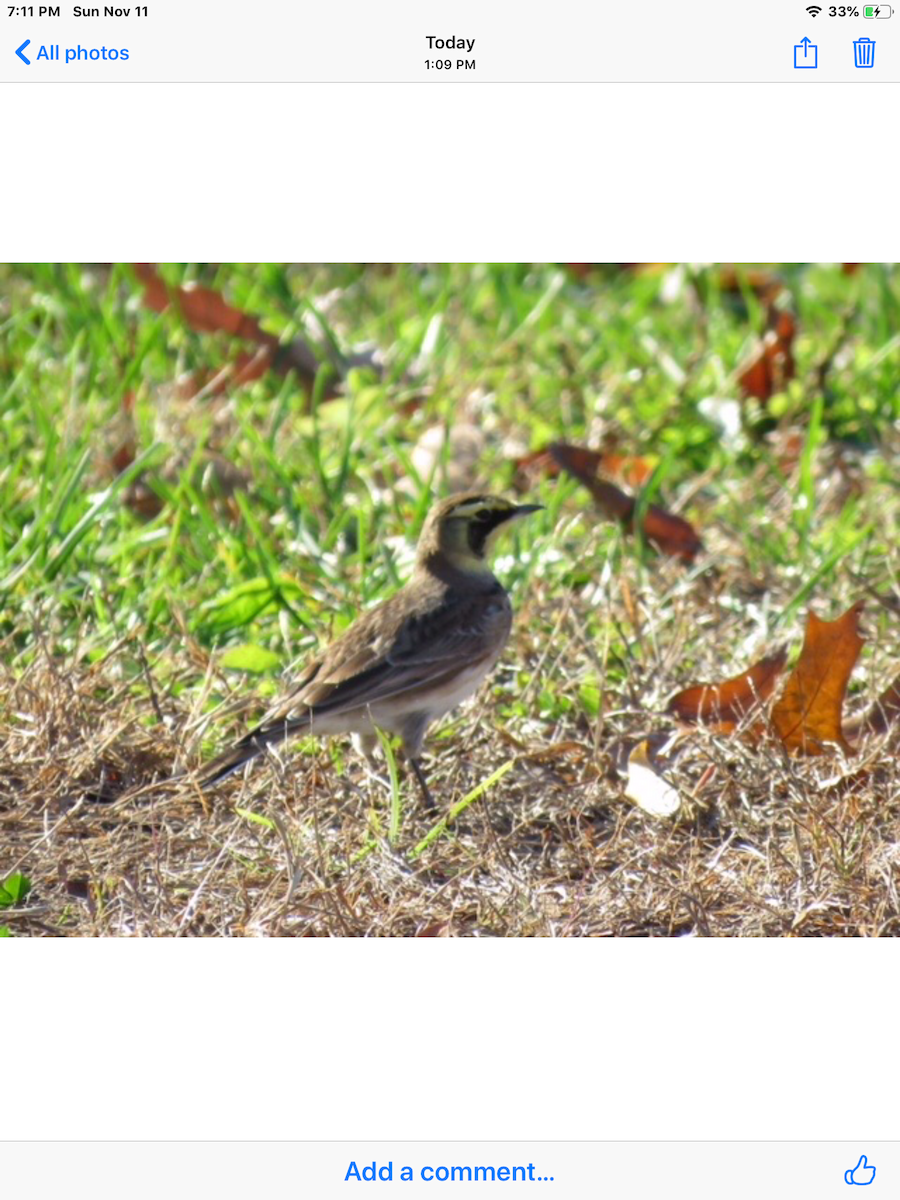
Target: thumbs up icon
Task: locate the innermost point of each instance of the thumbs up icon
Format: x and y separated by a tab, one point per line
861	1174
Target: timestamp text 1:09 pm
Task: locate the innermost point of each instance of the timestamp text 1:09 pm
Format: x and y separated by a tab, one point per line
447	64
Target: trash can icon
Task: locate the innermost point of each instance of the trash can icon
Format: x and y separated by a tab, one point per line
864	52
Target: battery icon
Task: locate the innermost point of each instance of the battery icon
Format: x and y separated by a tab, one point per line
877	10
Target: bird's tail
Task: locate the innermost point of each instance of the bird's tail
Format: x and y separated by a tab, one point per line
241	752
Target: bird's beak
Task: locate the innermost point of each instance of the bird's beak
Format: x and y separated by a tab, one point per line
523	510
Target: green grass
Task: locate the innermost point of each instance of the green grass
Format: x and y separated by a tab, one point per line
204	599
546	356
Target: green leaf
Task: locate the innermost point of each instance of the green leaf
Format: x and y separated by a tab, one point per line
249	658
242	604
256	818
14	890
4	931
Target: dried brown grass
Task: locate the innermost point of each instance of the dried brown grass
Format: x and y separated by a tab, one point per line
764	845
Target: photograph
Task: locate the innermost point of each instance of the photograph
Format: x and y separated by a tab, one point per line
492	600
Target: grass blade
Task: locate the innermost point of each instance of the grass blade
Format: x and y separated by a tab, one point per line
396	809
255	818
440	828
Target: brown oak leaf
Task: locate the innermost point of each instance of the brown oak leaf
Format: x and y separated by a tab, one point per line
807	715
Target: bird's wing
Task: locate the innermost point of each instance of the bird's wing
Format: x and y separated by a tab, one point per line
381	658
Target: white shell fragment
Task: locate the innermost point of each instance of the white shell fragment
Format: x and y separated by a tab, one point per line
648	790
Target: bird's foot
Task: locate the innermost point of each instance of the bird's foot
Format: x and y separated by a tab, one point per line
427	797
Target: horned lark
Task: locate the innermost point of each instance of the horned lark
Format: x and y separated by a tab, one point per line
414	657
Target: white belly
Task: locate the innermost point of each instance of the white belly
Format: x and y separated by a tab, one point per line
443	700
394	714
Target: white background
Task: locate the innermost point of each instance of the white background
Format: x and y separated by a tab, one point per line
440	1038
404	172
445	1038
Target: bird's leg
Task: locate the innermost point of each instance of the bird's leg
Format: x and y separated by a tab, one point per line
420	777
411	736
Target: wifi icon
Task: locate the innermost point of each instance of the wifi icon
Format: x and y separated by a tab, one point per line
814	10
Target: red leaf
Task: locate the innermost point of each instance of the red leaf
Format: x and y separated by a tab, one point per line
807	716
724	705
772	365
202	308
206	311
672	535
